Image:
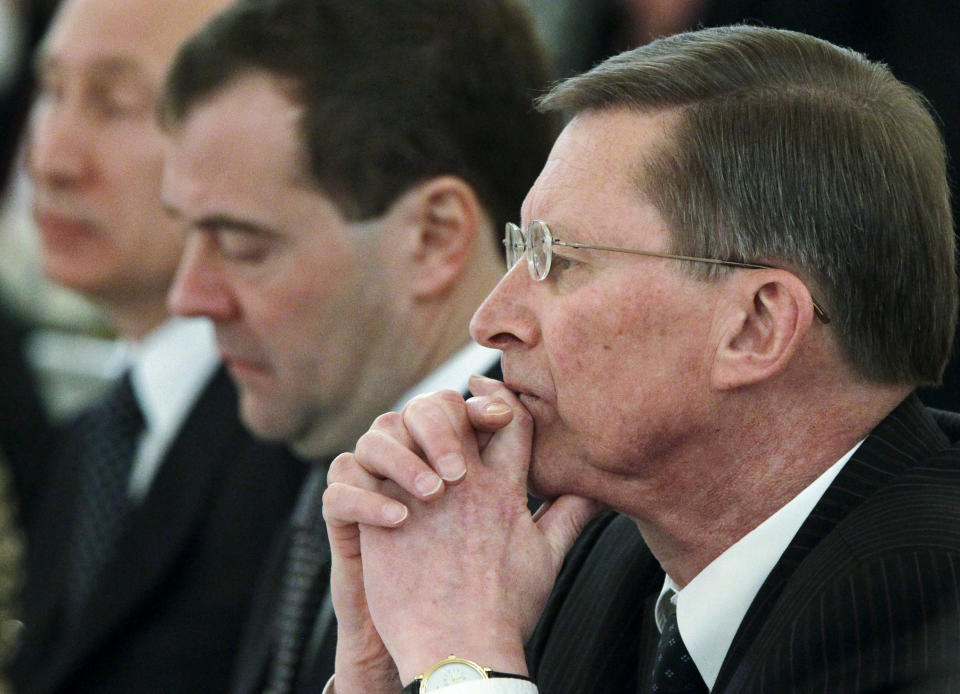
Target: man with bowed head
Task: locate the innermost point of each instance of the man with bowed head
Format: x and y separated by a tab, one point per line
342	169
731	274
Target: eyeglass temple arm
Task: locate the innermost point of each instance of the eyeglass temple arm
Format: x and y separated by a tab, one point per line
817	308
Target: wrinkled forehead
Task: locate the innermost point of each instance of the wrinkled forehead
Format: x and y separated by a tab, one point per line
593	179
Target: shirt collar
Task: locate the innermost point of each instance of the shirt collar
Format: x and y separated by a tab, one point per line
455	373
169	367
711	607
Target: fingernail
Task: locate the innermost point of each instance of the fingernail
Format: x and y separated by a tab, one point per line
427	483
497	409
451	467
394	513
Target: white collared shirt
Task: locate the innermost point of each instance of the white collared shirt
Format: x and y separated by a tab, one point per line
454	373
169	369
711	607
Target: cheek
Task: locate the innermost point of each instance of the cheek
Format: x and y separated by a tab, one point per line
612	363
132	158
296	319
598	347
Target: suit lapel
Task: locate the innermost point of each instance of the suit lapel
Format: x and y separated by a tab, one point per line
255	648
904	436
590	636
159	528
48	535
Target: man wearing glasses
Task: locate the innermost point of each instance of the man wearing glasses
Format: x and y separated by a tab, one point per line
732	273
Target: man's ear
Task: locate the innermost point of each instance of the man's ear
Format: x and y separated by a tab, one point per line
445	219
763	325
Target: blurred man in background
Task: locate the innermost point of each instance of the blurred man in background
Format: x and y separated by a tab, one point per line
157	507
344	169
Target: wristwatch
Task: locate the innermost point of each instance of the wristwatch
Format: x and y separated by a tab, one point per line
453	670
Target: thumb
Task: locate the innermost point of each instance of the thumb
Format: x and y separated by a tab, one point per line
562	520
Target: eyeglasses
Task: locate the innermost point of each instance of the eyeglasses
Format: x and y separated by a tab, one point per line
537	242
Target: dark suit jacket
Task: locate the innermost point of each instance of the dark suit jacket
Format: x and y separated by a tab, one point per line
25	432
253	663
167	614
866	598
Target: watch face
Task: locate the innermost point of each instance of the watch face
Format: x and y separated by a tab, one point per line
450	673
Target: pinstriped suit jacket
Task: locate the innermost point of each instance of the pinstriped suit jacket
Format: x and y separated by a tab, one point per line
866	598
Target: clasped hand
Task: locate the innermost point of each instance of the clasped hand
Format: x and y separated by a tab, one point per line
433	548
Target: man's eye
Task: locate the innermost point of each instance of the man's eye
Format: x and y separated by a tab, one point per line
242	246
561	263
119	104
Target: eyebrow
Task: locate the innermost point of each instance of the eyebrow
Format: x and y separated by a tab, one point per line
219	220
111	68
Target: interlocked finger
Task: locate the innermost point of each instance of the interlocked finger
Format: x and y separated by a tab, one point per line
345	504
439	425
385	454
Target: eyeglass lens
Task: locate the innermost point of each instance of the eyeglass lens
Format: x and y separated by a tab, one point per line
540	249
536	241
513	244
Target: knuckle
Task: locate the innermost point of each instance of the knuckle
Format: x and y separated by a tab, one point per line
362	448
450	397
419	409
371	449
338	468
331	499
388	420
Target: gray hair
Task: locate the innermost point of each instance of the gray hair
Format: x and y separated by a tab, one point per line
791	151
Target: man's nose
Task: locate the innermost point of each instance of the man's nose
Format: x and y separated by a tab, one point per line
198	288
58	145
506	317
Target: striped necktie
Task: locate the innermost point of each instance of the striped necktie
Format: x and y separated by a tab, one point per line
302	590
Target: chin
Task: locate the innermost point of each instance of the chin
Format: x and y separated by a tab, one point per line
263	421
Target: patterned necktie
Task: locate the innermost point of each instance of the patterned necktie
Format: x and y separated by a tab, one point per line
301	592
674	671
106	442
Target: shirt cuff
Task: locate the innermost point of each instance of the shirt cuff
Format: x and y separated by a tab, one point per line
494	685
497	685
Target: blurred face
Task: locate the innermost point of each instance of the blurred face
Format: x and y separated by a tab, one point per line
297	293
609	353
94	151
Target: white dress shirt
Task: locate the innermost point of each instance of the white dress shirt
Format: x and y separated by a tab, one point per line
711	607
169	370
454	373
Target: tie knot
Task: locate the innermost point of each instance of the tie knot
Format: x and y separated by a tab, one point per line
666	608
